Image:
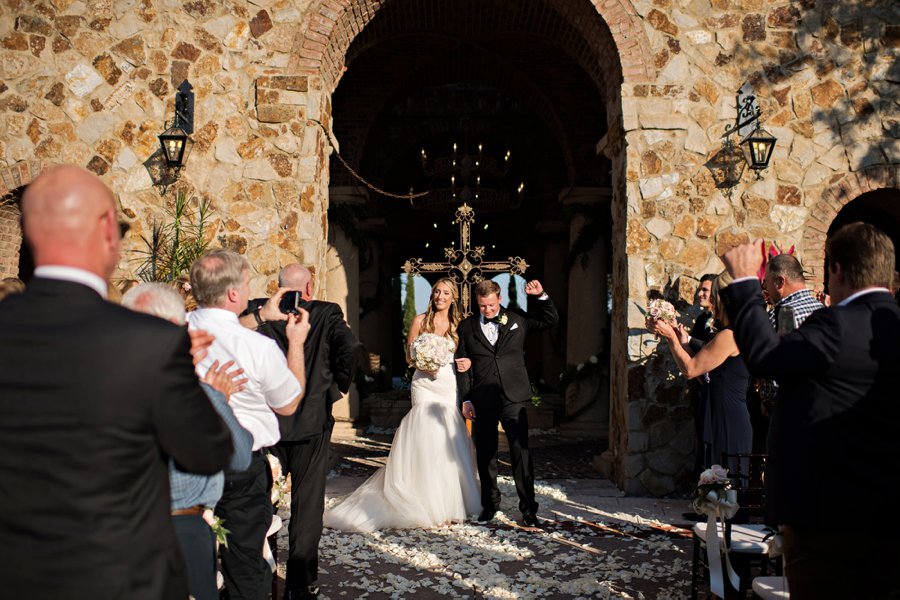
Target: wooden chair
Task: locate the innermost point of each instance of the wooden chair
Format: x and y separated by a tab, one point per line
745	535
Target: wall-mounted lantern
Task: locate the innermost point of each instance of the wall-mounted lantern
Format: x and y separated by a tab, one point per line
754	150
175	141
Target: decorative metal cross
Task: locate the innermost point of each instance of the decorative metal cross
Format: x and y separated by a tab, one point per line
465	265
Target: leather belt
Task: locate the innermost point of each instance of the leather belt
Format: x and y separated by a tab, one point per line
193	511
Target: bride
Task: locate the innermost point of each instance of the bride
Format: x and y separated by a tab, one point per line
429	478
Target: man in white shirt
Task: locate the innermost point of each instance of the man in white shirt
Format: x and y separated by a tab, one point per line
220	281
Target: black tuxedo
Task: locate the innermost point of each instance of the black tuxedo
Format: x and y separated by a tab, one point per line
499	388
332	354
93	400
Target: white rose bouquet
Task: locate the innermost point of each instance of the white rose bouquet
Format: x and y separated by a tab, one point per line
661	310
429	352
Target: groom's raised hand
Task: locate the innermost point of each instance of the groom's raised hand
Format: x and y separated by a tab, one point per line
534	288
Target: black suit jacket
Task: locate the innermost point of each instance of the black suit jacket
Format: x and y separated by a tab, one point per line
93	399
498	377
332	355
837	446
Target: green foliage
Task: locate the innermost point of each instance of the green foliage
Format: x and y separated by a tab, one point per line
512	293
218	529
536	398
174	245
409	306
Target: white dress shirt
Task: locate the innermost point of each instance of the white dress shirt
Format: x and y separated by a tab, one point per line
271	384
73	274
490	330
862	292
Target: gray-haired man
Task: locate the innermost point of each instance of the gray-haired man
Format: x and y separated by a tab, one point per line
192	494
220	281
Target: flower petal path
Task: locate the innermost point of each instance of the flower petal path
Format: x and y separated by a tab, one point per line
593	542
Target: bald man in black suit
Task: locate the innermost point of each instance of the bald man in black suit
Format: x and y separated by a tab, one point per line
94	398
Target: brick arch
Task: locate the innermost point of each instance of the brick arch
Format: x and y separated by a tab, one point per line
13	179
841	190
330	26
18	175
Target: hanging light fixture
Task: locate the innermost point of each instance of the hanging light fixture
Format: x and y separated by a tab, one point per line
467	173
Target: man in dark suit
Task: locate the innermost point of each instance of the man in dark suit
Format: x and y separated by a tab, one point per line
332	355
94	399
496	389
837	417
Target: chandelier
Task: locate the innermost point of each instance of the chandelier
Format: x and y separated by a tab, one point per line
469	175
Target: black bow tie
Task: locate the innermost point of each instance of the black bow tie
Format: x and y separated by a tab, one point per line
494	319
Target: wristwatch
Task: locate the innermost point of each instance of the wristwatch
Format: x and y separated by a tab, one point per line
259	320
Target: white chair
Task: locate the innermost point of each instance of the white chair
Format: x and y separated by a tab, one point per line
771	588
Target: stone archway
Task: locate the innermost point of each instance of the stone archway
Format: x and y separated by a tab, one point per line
328	29
843	191
320	56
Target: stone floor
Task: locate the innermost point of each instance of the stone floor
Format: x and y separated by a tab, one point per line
593	542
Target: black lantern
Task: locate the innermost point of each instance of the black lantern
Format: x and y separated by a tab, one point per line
176	146
758	148
165	166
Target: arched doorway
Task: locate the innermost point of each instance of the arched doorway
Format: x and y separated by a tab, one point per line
540	81
880	208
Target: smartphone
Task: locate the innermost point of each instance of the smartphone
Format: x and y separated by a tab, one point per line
290	302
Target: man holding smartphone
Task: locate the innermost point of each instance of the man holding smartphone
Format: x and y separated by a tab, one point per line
332	355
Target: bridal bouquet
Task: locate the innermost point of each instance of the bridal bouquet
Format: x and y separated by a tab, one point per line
429	352
661	310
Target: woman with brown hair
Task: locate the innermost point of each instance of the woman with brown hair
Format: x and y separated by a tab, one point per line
429	479
726	420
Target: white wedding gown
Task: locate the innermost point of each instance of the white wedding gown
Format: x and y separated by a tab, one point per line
430	478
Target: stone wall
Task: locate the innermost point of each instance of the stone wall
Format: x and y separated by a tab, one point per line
828	79
93	82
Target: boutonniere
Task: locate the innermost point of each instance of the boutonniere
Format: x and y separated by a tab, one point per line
503	319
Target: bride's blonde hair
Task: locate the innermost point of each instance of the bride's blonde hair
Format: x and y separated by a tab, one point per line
453	314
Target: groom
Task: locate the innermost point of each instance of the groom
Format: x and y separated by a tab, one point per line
497	388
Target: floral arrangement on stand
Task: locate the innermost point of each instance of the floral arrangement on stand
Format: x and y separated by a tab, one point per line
429	352
712	489
715	498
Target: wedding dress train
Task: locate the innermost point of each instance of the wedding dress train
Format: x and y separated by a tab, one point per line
429	478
